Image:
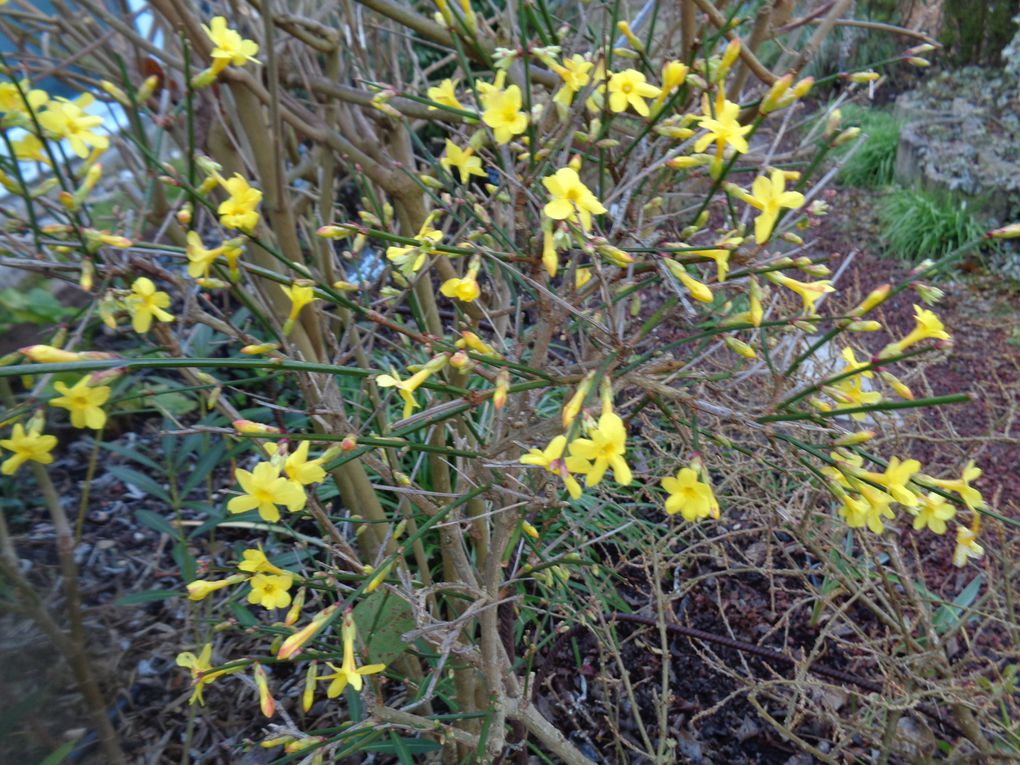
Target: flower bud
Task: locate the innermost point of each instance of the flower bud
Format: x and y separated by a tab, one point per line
739	347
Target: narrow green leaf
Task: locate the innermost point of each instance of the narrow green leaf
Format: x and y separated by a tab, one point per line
157	522
140	481
59	755
145	596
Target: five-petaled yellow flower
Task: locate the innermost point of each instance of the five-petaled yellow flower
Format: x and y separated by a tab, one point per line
299	295
84	402
689	495
933	512
32	445
591	457
69	120
971	497
628	88
575	75
264	489
966	546
927	325
444	93
769	195
230	47
465	289
270	590
349	673
301	469
200	259
502	112
571	199
551	458
13	98
146	303
724	128
255	562
200	674
464	160
410	258
239	210
810	292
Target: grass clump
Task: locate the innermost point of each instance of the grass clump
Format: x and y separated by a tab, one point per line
872	164
918	224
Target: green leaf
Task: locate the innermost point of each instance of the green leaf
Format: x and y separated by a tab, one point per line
131	454
185	561
140	481
205	465
382	618
145	596
949	615
157	522
59	755
243	615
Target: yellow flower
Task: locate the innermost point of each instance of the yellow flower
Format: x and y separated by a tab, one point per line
200	260
575	75
970	496
464	160
927	325
29	147
571	199
810	292
266	702
270	590
966	546
302	469
202	588
591	457
689	495
349	673
470	340
445	94
83	402
551	458
628	88
13	102
465	290
299	295
256	562
264	489
295	642
698	290
877	507
724	129
933	512
146	303
501	111
239	209
200	674
68	119
230	47
895	478
769	195
409	258
674	73
33	445
403	388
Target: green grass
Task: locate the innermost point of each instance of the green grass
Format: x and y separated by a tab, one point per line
872	164
917	224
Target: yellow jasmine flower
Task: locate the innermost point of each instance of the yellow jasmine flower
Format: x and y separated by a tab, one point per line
264	488
628	88
29	147
575	75
299	295
302	469
606	447
502	112
270	590
850	394
83	402
200	260
239	209
410	258
970	496
444	93
255	562
927	325
810	292
551	458
721	258
854	510
402	386
12	101
200	674
571	199
349	673
895	478
230	47
32	445
697	290
674	74
724	129
966	547
688	495
145	303
464	160
933	512
68	119
202	588
295	642
465	289
769	195
877	507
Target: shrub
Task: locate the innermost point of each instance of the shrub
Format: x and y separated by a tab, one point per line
593	305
